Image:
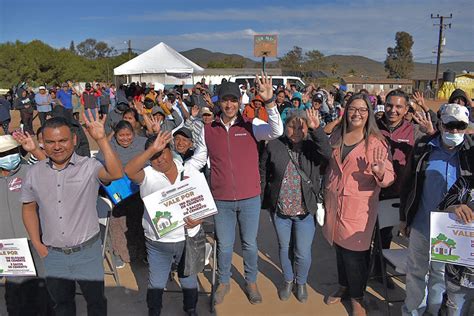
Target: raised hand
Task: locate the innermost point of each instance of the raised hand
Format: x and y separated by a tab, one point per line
195	111
155	124
265	87
95	126
378	164
419	100
25	140
313	118
138	106
424	120
208	100
162	139
382	96
330	101
305	98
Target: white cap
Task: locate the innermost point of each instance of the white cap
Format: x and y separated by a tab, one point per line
7	142
453	112
42	88
379	108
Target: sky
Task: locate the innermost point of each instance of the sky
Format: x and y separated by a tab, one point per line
343	27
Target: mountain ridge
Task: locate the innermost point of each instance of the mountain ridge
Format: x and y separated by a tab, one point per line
346	64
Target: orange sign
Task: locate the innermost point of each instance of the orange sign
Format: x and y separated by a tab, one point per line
265	45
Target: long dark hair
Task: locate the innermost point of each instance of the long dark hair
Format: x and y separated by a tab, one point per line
370	128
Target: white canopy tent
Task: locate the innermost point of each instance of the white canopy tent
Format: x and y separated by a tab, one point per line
160	64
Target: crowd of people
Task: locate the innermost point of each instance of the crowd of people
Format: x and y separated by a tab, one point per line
260	147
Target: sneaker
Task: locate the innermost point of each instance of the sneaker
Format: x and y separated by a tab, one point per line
301	293
222	290
253	294
284	292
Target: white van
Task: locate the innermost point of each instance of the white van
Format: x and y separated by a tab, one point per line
276	80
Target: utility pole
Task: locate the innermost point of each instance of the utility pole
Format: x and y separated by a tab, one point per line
442	26
129	49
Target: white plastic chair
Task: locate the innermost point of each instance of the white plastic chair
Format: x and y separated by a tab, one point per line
104	210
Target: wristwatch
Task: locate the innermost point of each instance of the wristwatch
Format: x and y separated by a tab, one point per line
269	100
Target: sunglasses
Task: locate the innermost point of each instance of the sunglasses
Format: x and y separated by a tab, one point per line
455	126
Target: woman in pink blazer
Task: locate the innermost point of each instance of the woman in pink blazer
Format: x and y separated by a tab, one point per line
359	167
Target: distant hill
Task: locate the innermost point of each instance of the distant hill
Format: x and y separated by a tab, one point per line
346	64
202	57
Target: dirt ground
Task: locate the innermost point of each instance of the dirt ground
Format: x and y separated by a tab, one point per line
129	298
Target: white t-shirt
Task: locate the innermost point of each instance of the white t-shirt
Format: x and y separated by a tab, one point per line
154	181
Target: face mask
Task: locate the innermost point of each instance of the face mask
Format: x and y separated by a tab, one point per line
10	162
452	140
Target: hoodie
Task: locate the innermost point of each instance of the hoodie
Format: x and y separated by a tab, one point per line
459	93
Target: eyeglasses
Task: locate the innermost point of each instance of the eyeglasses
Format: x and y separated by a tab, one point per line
362	111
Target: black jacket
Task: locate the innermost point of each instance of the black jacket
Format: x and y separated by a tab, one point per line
410	195
315	153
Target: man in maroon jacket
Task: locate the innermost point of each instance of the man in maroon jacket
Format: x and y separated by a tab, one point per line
401	135
231	142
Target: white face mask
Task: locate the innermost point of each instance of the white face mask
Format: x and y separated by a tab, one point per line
452	139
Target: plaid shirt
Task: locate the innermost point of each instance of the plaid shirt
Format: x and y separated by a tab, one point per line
328	117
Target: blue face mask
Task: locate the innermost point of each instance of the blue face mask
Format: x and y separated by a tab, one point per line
10	162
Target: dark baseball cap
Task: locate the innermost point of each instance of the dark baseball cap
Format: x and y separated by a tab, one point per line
318	97
184	131
229	89
88	85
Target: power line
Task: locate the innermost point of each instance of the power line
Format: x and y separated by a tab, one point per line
442	26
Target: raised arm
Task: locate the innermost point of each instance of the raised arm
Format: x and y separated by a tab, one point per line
134	168
112	169
274	128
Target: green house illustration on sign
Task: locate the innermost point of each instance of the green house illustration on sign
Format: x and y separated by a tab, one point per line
163	223
162	220
442	248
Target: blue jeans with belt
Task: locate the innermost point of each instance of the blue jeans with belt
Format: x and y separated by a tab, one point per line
84	266
297	232
247	213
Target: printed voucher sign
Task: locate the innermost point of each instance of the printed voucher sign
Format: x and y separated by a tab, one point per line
168	207
15	258
451	241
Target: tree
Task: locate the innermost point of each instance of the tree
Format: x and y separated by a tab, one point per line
314	60
292	60
399	61
91	49
72	47
227	62
352	72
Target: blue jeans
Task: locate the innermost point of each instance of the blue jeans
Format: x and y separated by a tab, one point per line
299	231
459	299
247	214
86	112
113	103
425	283
161	256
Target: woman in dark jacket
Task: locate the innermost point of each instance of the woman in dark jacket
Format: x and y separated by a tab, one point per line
290	169
25	105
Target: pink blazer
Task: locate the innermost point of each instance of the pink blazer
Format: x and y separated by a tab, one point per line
351	196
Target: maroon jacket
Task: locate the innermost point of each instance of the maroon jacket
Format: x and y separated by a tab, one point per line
234	160
401	140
